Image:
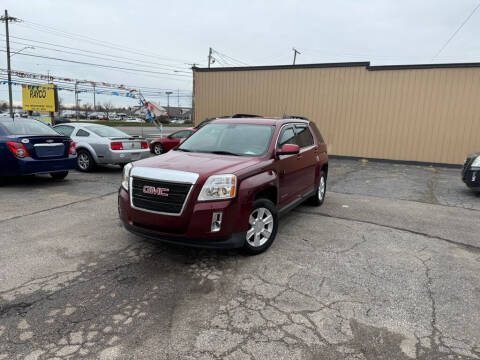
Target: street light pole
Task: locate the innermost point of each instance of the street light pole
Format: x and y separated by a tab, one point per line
168	103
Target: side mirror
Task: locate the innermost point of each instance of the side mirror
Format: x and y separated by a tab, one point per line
288	149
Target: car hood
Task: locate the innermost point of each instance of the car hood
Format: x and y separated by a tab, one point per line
204	164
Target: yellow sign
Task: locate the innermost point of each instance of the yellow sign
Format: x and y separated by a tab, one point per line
39	97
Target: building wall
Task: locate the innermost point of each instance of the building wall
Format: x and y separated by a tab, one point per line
412	114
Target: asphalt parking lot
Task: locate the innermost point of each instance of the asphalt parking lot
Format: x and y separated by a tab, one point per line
387	268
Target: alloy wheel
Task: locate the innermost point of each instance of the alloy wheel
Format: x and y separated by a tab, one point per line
260	227
157	149
321	188
83	161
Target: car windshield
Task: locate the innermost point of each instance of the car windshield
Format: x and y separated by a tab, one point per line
27	127
106	131
230	139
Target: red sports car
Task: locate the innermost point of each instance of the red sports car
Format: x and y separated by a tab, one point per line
166	143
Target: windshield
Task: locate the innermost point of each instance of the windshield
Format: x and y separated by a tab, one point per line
27	127
106	131
236	139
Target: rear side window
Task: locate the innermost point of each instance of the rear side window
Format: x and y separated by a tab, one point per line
304	137
82	133
181	134
64	130
27	127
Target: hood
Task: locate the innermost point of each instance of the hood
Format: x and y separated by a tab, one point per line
203	164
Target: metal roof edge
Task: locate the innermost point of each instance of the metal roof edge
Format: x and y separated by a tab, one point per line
365	64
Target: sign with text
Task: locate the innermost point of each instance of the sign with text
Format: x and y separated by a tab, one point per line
42	97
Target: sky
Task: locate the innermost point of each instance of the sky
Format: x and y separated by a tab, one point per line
157	41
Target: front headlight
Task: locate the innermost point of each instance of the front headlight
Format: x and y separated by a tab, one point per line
219	187
476	162
126	176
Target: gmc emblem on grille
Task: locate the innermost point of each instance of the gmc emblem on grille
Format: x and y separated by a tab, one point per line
152	190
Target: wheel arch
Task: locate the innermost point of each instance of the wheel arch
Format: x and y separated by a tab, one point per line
86	147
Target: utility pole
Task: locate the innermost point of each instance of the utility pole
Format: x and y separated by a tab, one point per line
76	100
194	66
295	52
178	98
94	103
209	56
6	19
168	102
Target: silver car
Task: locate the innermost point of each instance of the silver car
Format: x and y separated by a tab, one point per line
100	144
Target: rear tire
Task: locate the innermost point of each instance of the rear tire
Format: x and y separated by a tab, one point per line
85	161
262	227
59	175
319	197
157	149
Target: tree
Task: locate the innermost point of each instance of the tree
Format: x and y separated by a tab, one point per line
86	108
3	107
60	104
107	108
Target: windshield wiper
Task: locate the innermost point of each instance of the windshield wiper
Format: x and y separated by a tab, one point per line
221	152
180	149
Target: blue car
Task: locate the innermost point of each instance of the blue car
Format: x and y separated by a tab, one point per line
29	147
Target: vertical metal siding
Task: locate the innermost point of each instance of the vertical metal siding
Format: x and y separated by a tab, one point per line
430	115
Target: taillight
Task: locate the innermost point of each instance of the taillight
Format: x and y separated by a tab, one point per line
144	145
17	149
116	145
71	149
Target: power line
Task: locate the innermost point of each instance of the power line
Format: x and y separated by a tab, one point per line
98	57
231	58
456	31
97	42
36	42
100	65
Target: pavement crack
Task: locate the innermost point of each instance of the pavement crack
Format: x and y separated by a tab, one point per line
429	236
57	207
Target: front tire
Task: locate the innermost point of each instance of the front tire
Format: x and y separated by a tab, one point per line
158	149
262	226
319	197
85	161
59	175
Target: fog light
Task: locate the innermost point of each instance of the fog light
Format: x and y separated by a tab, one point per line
216	221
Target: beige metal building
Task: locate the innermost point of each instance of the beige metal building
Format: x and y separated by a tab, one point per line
425	113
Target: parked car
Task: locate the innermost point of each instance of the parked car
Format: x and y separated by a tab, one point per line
133	119
471	172
30	147
62	120
161	145
100	144
225	185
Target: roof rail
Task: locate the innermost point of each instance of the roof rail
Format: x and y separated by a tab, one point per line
245	116
285	116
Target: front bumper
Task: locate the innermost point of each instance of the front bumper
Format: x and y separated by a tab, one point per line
123	156
192	228
471	177
30	166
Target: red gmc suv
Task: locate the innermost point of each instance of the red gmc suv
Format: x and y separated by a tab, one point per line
227	184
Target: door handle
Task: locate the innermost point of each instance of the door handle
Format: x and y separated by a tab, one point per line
299	156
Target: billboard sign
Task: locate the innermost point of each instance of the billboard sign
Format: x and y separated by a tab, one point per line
42	97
